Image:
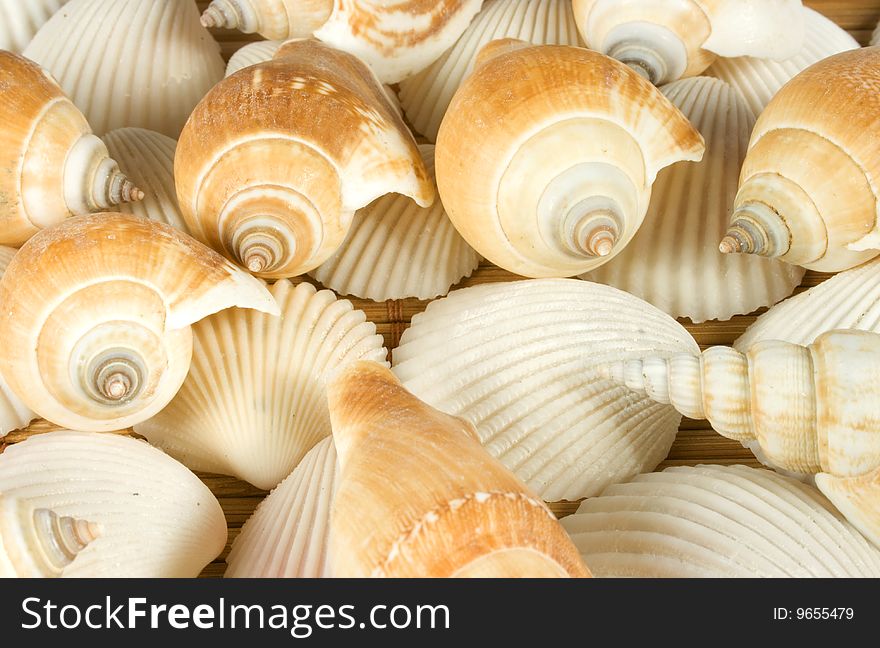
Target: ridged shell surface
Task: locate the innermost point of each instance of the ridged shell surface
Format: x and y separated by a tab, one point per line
252	54
13	413
522	361
718	522
20	20
147	64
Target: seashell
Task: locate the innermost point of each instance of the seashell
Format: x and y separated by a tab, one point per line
426	96
281	220
156	518
38	543
396	39
667	40
106	80
149	159
808	410
253	53
562	184
718	522
97	313
396	249
269	409
875	36
20	20
288	534
521	361
54	167
817	209
450	511
673	262
759	79
14	414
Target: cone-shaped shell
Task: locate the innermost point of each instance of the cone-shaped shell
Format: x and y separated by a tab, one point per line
426	96
147	64
288	535
269	409
450	510
14	414
20	20
561	184
97	313
284	219
156	518
273	19
53	166
251	54
673	262
396	249
858	498
718	522
521	361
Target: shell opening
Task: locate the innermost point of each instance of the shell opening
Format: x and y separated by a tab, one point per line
62	538
653	51
756	228
115	377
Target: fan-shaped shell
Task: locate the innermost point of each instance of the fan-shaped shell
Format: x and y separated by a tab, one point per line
20	20
253	53
673	262
157	519
288	534
14	414
96	317
717	522
521	361
269	409
147	64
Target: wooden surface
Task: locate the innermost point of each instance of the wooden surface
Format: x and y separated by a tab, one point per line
695	443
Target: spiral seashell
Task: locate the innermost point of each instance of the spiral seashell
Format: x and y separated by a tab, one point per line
718	522
54	167
20	20
817	209
288	534
670	39
253	53
759	79
673	262
156	519
97	314
450	510
562	184
14	414
396	249
147	64
521	361
425	96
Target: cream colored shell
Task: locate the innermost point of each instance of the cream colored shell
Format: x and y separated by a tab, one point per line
718	522
147	63
14	414
20	20
251	54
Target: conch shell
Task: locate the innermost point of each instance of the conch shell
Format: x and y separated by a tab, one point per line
276	192
807	410
269	409
143	63
156	519
53	166
96	317
20	20
449	510
14	414
396	39
562	183
251	54
666	40
817	208
718	522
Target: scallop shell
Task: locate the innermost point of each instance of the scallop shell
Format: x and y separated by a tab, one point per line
148	62
673	262
288	534
14	414
521	361
251	54
20	20
718	522
269	409
425	97
157	519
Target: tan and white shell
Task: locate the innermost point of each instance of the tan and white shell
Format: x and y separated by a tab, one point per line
20	20
269	408
14	414
97	314
718	522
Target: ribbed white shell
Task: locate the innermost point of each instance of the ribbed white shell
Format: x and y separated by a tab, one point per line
144	63
758	80
522	361
673	261
253	403
20	20
13	413
287	535
148	160
717	521
252	54
157	519
426	96
396	249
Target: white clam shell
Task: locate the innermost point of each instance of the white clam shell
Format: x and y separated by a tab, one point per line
14	414
20	20
251	54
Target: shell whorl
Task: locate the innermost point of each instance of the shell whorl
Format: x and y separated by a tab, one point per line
273	19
